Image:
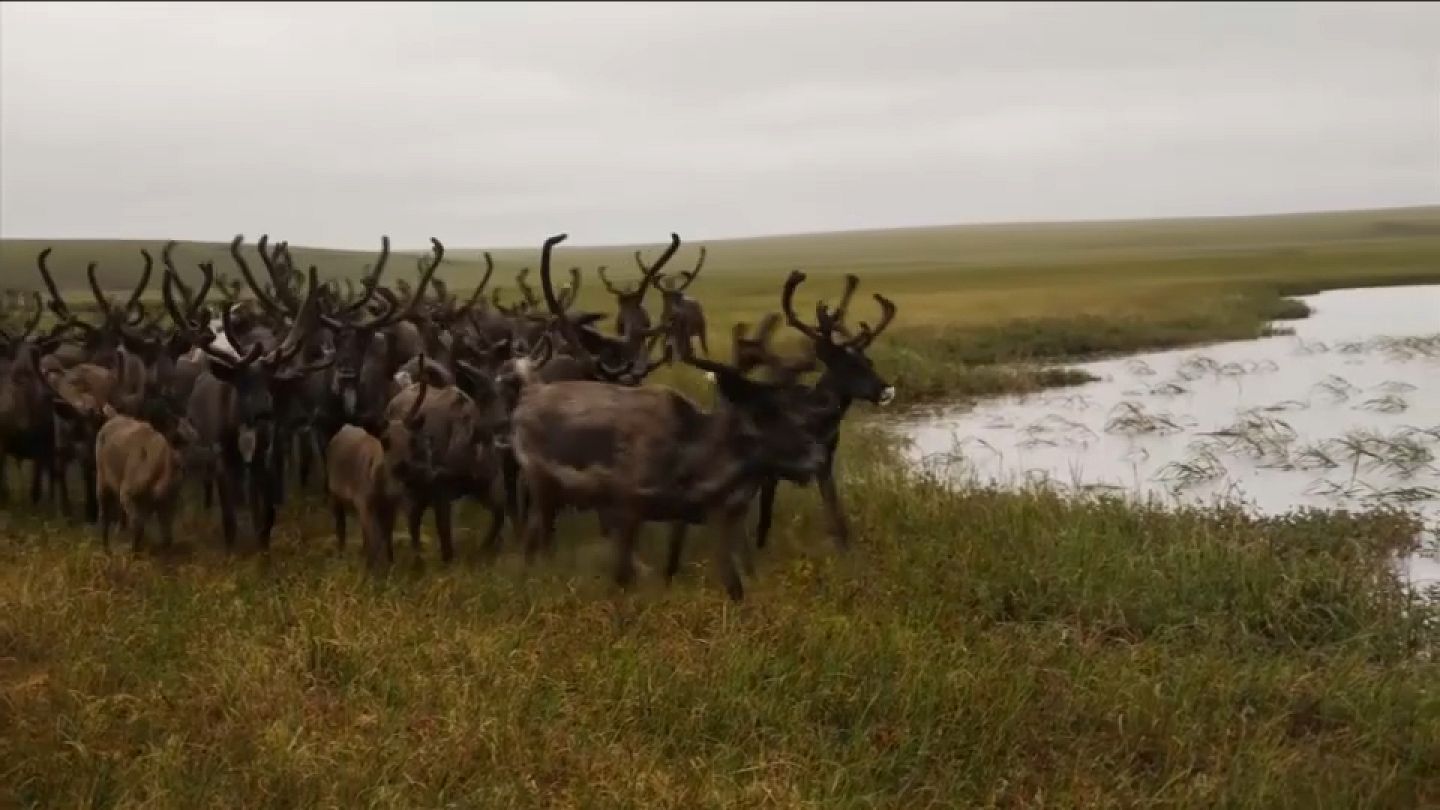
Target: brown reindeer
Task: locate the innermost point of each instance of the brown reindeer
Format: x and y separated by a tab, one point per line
631	319
364	471
450	454
648	453
138	472
684	314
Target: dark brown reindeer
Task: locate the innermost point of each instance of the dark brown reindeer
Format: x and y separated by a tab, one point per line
98	343
26	409
233	407
648	453
631	319
450	453
684	314
848	375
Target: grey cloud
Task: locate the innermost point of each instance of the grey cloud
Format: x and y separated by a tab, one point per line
496	124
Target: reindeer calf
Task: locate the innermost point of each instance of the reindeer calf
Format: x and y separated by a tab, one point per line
137	470
361	481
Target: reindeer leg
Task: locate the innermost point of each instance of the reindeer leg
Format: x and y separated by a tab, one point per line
491	544
92	506
255	490
304	451
385	527
108	507
225	484
510	477
677	549
38	468
60	486
540	518
4	487
767	510
725	545
337	509
415	513
136	516
624	528
376	556
826	477
443	505
166	517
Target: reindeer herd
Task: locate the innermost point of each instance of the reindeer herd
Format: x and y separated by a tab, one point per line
406	398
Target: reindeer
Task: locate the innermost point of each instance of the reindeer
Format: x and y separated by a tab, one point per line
686	316
365	468
99	344
139	470
631	319
233	408
80	397
849	376
26	410
451	454
649	453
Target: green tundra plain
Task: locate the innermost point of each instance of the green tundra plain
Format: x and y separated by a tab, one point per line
976	648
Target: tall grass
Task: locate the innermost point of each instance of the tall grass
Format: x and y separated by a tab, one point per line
977	648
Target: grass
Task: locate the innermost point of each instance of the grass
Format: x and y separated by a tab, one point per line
977	648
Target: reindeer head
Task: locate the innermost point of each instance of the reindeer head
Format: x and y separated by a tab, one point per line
626	361
262	377
99	342
848	371
770	417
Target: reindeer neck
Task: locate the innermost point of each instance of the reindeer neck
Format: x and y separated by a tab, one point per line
835	393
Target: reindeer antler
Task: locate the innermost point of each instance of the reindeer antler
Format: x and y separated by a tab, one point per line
679	284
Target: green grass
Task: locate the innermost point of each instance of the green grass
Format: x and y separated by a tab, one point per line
976	648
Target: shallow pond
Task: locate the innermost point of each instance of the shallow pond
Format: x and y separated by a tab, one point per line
1345	413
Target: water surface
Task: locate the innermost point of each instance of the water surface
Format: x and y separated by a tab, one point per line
1345	413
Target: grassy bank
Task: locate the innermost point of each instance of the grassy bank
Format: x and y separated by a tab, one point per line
977	649
984	309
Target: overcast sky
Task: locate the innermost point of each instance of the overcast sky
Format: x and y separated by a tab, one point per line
489	124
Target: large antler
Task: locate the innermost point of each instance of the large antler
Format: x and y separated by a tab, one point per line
30	325
370	282
787	297
193	302
266	302
525	290
392	311
279	273
57	304
868	335
679	284
649	273
479	288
